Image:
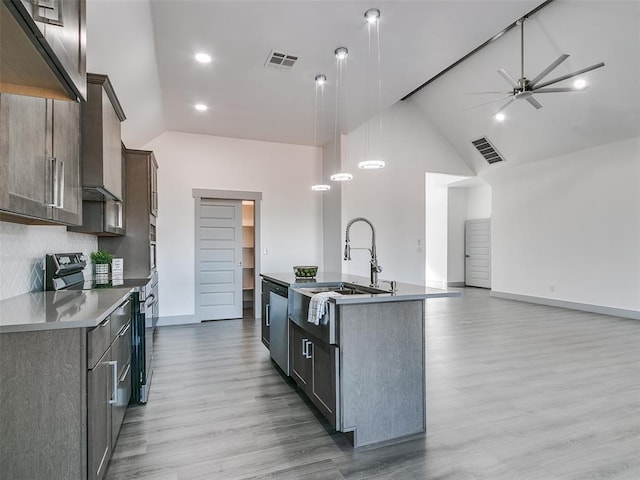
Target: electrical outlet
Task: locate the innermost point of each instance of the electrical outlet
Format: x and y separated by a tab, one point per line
552	288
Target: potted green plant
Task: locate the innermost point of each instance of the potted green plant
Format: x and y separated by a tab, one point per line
101	260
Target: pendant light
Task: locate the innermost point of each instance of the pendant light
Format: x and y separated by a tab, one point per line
341	54
320	81
372	17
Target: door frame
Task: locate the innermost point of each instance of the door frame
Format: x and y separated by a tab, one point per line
200	193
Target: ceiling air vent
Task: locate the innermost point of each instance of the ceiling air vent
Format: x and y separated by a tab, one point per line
281	60
487	150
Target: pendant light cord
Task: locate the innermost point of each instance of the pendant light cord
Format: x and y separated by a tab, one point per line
379	90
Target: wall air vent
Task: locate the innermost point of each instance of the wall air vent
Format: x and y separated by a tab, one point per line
487	150
281	60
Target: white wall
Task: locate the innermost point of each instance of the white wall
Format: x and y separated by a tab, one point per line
571	223
479	202
291	212
393	198
331	207
132	70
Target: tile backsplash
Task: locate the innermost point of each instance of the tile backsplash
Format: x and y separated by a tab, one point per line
22	252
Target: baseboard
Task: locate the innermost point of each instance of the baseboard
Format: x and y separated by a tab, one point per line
455	284
177	320
585	307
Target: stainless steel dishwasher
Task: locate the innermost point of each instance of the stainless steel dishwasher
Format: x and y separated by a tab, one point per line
279	323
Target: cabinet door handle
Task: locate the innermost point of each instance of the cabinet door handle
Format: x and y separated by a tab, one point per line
125	373
310	350
52	184
114	387
118	214
124	330
267	321
60	197
105	323
306	344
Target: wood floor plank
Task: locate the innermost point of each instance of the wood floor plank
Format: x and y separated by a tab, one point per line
515	391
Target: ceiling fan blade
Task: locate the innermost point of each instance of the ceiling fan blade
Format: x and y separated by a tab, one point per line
508	78
488	93
569	75
558	90
534	102
488	103
506	105
548	70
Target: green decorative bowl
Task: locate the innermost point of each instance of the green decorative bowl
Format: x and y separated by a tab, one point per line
305	271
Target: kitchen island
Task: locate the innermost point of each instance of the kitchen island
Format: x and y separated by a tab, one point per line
363	364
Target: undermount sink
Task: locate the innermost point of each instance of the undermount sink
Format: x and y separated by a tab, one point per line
346	289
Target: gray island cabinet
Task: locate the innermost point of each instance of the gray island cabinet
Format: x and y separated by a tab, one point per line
363	366
65	363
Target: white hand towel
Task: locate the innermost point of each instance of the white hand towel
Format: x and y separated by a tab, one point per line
318	306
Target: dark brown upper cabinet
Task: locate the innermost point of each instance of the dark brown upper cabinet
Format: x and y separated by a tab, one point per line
39	160
101	141
43	48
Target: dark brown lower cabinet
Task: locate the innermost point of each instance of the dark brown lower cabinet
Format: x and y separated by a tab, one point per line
99	387
63	396
314	365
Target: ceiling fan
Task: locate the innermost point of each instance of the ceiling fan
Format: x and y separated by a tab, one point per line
524	89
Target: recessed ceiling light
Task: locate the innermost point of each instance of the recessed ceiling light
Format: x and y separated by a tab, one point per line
371	164
500	117
321	80
203	57
201	107
580	84
341	177
320	188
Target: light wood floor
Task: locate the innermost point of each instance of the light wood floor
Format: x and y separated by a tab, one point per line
516	391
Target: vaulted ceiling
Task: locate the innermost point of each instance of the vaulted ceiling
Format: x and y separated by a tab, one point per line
147	48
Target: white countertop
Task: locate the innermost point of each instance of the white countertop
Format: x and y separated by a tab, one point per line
61	309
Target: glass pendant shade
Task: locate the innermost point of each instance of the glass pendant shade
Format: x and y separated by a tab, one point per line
341	177
371	164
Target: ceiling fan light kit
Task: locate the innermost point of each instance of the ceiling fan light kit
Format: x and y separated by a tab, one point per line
524	89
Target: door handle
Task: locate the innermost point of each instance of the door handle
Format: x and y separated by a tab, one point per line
305	348
267	321
60	198
114	387
52	184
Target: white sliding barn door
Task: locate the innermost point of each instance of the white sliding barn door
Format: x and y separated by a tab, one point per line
477	249
219	259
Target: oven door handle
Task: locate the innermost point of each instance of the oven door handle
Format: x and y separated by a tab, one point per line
151	300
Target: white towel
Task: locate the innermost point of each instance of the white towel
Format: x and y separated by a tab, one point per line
318	306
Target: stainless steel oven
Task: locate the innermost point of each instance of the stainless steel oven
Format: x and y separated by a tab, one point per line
148	322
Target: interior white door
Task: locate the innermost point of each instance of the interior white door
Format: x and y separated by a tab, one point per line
477	249
219	259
